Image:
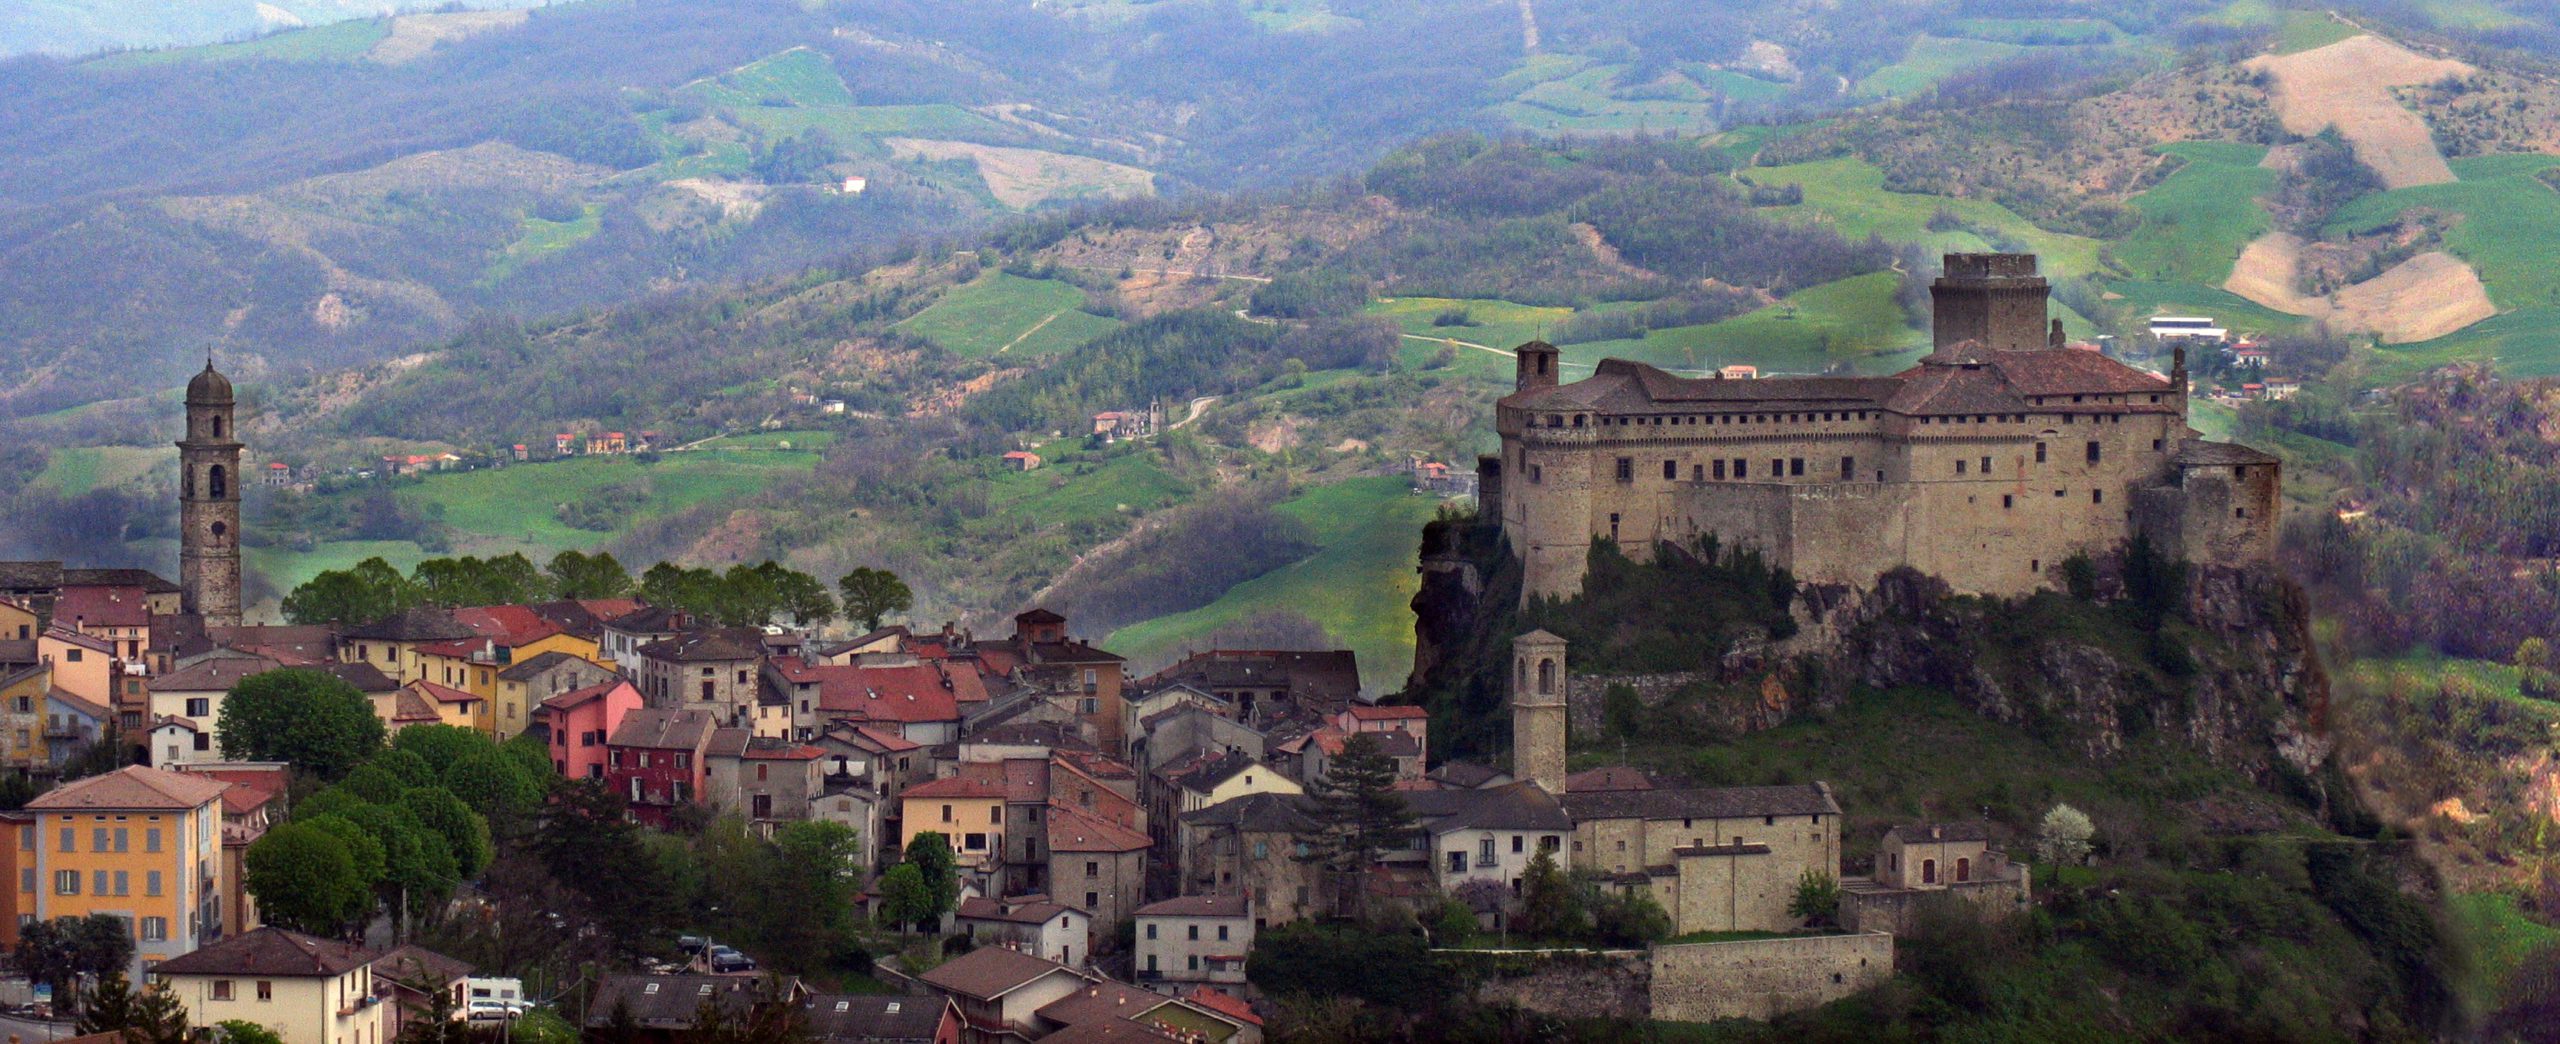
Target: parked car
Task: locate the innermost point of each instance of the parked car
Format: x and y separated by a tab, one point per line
724	960
495	1011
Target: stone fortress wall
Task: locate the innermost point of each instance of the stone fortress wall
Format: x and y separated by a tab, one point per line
1998	457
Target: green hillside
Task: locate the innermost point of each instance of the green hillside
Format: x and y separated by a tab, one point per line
1008	315
2195	223
1356	586
1849	194
2509	218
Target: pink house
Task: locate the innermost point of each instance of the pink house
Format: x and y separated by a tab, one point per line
1412	721
582	721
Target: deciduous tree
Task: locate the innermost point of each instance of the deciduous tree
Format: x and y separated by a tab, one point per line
305	879
870	595
305	718
576	574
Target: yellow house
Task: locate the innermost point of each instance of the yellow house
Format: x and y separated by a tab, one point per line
392	644
479	665
427	703
22	715
968	810
140	843
18	623
1231	777
308	990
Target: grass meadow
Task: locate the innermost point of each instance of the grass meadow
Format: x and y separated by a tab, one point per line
2195	223
1006	314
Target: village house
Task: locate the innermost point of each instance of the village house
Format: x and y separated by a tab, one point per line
1265	684
71	725
1082	681
966	810
1022	460
1095	864
196	692
1195	940
392	644
1920	859
174	740
18	621
414	977
254	801
1032	924
524	685
423	702
580	725
1489	835
86	667
118	614
306	990
1000	992
1720	859
623	635
868	1019
1250	847
767	780
23	705
1208	779
664	1008
656	759
141	843
714	671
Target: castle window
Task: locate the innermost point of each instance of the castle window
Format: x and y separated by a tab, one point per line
1777	467
2155	398
1741	468
214	485
1670	470
2093	451
2097	496
2075	398
1795	466
2035	565
1626	469
2059	493
2007	501
1697	472
1986	465
1848	468
1578	419
1719	471
2239	512
1959	467
1537	473
2039	453
1613	526
2155	445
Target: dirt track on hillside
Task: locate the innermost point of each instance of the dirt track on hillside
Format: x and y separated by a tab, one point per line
2348	85
414	36
2423	298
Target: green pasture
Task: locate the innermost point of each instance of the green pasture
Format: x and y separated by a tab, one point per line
335	42
2057	31
2499	935
798	90
799	76
1848	194
2195	223
1741	87
2522	343
1498	324
2508	221
74	470
1067	490
1931	59
2146	299
1854	321
1357	586
2307	30
539	239
1590	100
1011	315
496	510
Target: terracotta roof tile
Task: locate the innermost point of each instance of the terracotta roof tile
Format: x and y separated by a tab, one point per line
132	787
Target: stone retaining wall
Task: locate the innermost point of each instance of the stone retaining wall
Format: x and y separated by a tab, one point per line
1765	978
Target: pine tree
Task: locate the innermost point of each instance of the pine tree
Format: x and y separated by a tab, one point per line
1358	816
109	1006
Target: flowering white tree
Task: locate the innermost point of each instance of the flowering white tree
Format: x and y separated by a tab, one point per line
2063	837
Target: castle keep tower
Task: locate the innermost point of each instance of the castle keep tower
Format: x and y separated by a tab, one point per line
1997	300
209	503
1538	362
1538	710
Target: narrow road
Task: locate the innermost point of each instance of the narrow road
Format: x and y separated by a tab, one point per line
1035	328
1198	407
1456	343
1173	272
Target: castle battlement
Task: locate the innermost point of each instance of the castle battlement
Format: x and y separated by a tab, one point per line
1998	456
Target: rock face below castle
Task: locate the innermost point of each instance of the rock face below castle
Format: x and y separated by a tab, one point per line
2000	455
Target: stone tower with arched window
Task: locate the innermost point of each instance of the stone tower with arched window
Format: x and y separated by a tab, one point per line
209	503
1538	710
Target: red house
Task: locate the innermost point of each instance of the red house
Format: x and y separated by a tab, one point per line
582	722
656	760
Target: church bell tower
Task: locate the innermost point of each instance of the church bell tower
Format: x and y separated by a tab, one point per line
209	503
1538	710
